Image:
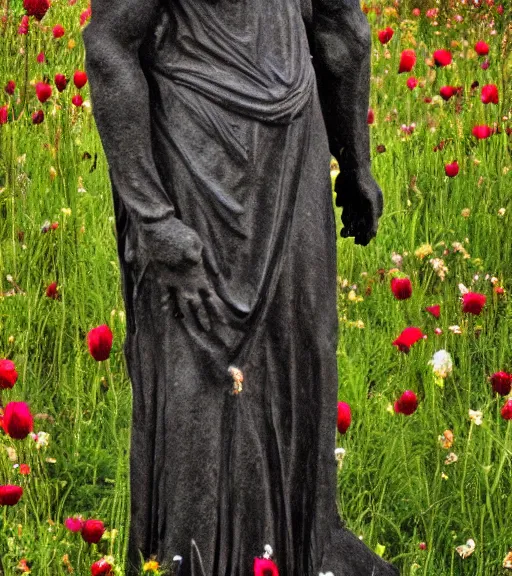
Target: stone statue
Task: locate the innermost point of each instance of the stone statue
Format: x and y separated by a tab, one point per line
218	119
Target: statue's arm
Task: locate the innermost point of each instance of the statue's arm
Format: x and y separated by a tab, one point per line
341	47
121	107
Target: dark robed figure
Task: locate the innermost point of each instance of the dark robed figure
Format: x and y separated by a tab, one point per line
218	119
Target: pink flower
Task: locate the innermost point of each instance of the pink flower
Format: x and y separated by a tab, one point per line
451	170
37	117
77	100
80	79
61	82
10	87
416	12
344	417
41	58
407	338
473	303
17	420
24	25
506	411
490	94
10	495
58	31
36	8
8	374
74	524
412	82
265	567
501	383
407	403
401	288
4	114
43	91
442	57
99	341
481	132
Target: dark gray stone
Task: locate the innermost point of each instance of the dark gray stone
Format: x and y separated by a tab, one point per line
213	118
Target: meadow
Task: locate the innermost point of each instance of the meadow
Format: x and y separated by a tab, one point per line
425	479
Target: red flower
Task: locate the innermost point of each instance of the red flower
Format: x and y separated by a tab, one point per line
10	87
481	132
80	79
58	31
43	91
51	291
412	82
4	114
500	9
472	302
442	57
40	58
489	94
8	374
416	12
85	15
344	417
385	35
37	117
74	524
99	341
101	567
407	338
61	82
452	169
10	495
482	48
24	25
24	469
501	383
370	119
407	61
77	100
447	92
265	567
18	421
485	64
434	310
92	531
407	403
36	8
506	411
401	288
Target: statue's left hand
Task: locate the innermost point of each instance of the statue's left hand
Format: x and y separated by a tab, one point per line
362	202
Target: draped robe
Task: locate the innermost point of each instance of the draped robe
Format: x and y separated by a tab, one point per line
240	144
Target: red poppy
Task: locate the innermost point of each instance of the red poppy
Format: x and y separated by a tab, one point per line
10	87
407	61
17	420
447	92
501	383
442	57
385	35
37	117
80	79
24	25
265	567
401	288
92	531
434	310
451	170
407	403
52	291
36	8
473	302
412	82
4	114
43	91
99	341
407	338
61	82
481	132
490	94
8	374
101	567
58	31
344	417
506	410
10	495
77	100
74	524
482	48
370	119
24	469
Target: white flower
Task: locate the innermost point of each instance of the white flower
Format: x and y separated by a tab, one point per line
442	364
268	551
466	549
326	574
476	416
463	289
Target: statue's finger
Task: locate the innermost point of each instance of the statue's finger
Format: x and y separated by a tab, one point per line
200	314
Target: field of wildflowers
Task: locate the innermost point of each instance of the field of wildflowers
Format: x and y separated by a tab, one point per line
424	444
